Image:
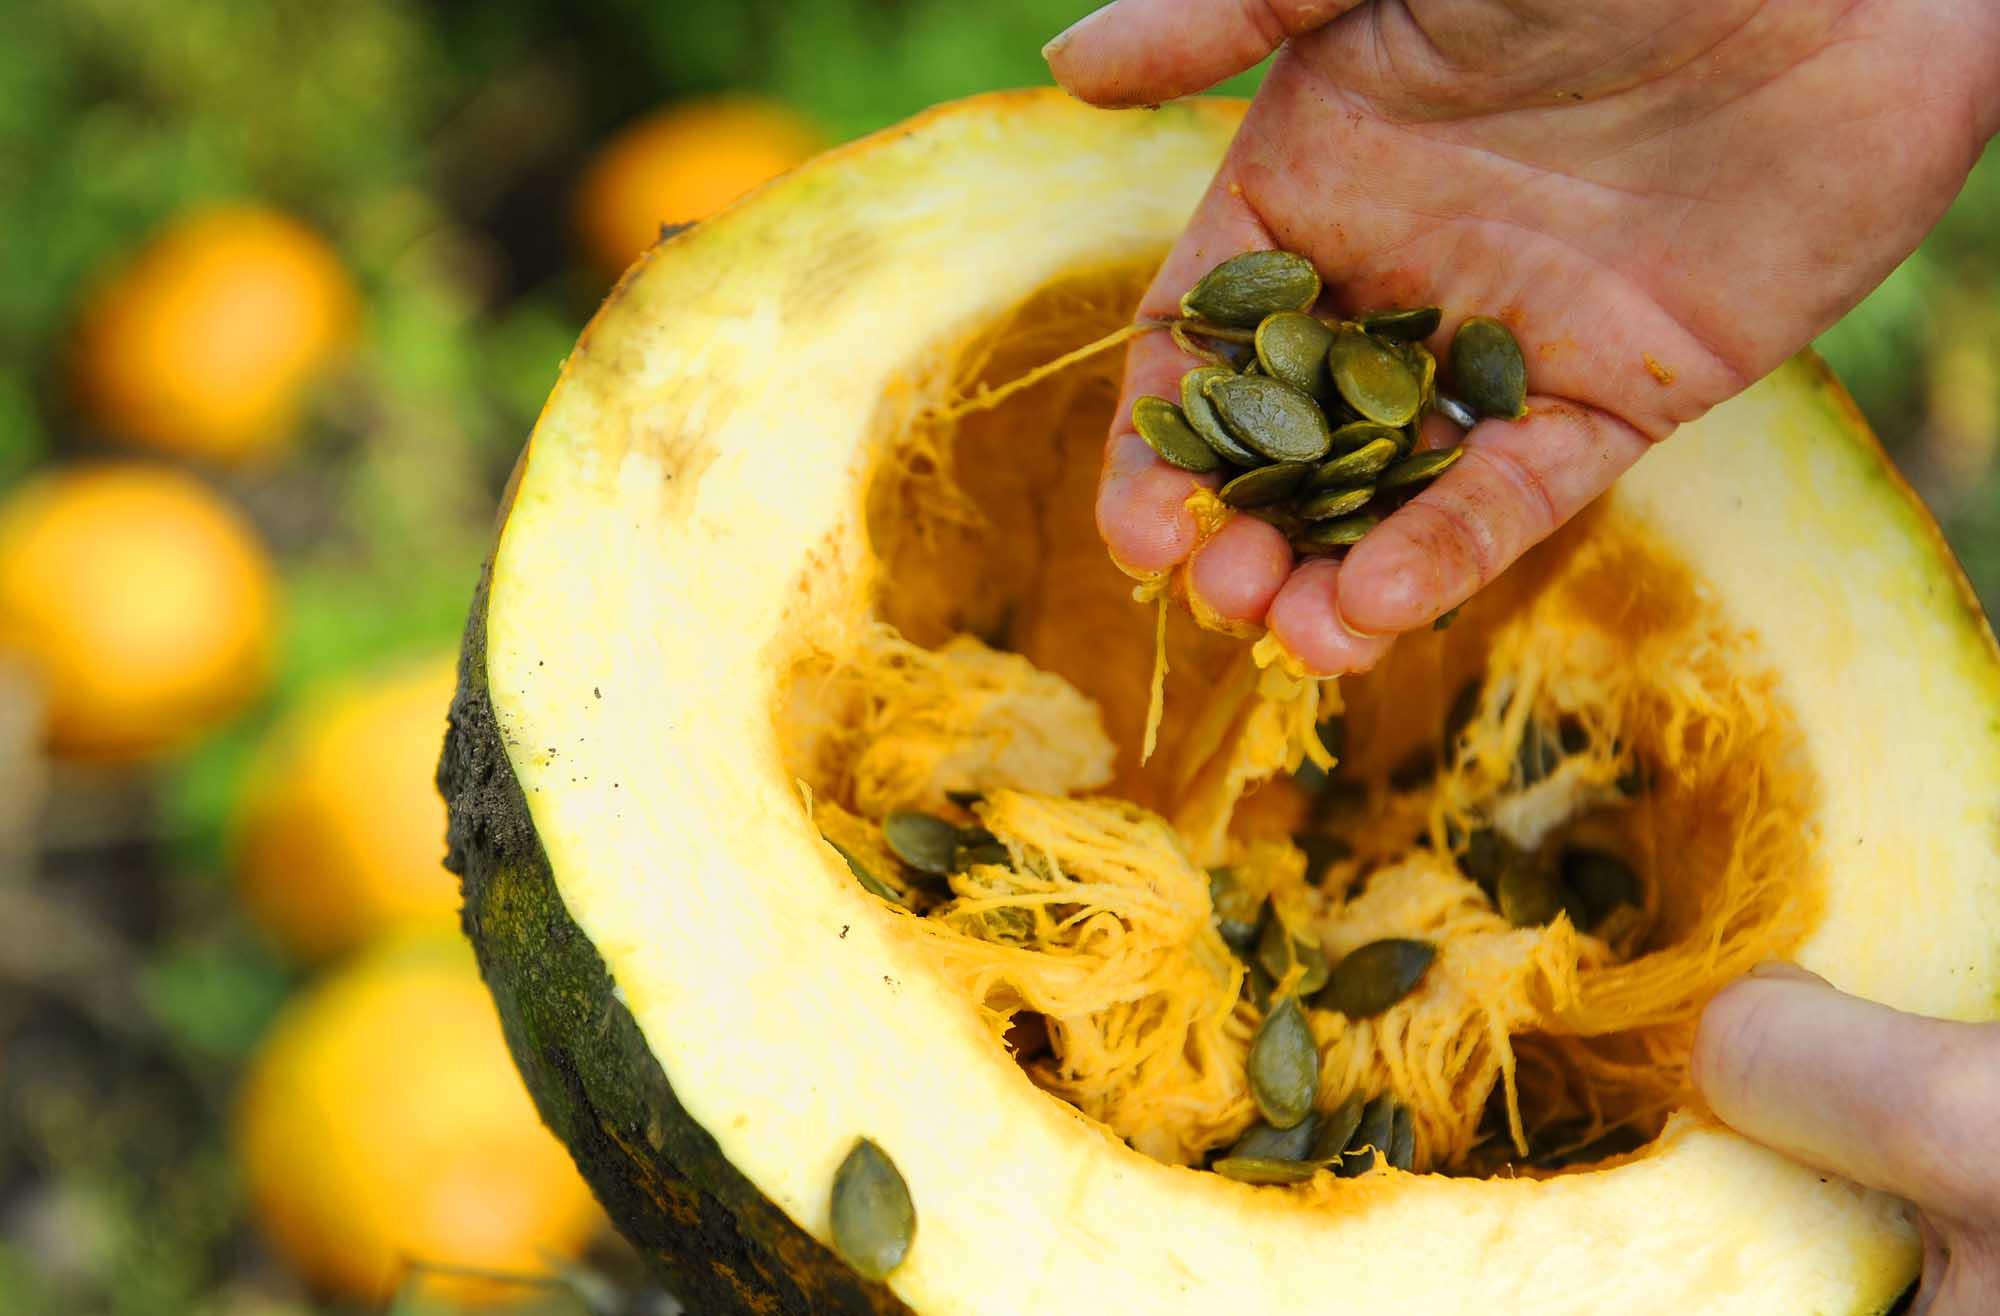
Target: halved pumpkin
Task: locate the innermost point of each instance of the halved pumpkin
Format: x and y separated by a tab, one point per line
781	433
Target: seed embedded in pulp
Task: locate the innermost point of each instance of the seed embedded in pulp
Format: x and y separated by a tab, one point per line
1264	1143
1250	1169
1166	431
874	1220
1244	289
924	841
1336	1129
1373	977
1371	1138
1278	950
1284	1065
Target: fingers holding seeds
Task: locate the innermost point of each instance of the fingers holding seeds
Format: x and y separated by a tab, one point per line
1516	484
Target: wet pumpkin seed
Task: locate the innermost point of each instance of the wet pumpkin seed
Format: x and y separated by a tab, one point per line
1253	1170
1166	431
1411	325
924	841
986	852
1236	910
1199	413
1488	373
1278	951
1371	978
870	883
1373	378
1330	536
1351	468
1244	289
1291	347
1357	434
1332	503
1601	883
1284	1065
1335	1129
1271	417
1419	468
874	1220
1265	484
1371	1137
1529	893
1402	1139
1265	1143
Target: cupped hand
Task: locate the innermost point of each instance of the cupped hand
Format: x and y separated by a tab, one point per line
1904	1104
1663	201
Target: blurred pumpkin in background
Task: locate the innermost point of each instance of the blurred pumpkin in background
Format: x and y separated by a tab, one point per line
341	833
206	343
142	603
383	1124
681	164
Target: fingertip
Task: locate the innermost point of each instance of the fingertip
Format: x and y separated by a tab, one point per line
1306	619
1142	511
1396	579
1240	569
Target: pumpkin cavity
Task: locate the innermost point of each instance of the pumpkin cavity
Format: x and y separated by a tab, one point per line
1586	795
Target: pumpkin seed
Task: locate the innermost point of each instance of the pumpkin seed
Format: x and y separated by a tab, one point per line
1419	468
1236	910
1322	852
924	841
1336	1129
874	1220
1250	1169
1284	1065
1425	367
1445	619
1257	985
1271	417
1373	378
1356	434
1530	893
1216	352
966	799
1402	1139
1265	1143
1485	857
1278	951
1327	536
1336	502
1165	430
1351	468
1264	485
1291	347
1454	410
870	883
1488	373
1412	325
1200	415
989	852
1371	1137
1244	289
1371	978
1601	883
1539	753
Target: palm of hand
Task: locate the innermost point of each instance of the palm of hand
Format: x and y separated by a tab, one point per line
1664	205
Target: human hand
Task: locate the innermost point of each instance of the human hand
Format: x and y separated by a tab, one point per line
1904	1104
1664	203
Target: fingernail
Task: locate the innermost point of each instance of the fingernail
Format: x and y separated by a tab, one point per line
1785	969
1340	616
1063	38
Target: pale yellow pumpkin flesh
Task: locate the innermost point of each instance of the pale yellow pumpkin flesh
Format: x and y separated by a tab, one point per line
735	473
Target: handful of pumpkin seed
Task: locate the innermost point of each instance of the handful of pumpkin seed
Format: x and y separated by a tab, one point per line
1315	421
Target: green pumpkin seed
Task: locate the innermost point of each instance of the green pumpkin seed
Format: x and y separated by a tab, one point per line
1250	1169
924	841
1271	417
1291	347
1601	882
1358	434
1330	536
1357	467
1189	337
1244	289
1336	502
1488	373
1402	1139
1322	852
1284	1065
1485	857
1373	977
870	883
1236	910
1412	325
874	1220
989	852
1278	951
1420	468
1425	366
1371	1137
1529	893
1265	1143
1373	378
1539	753
1282	518
1265	485
1199	413
1336	1130
1166	431
1257	985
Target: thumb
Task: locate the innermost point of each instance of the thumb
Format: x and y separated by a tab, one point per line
1145	52
1894	1101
